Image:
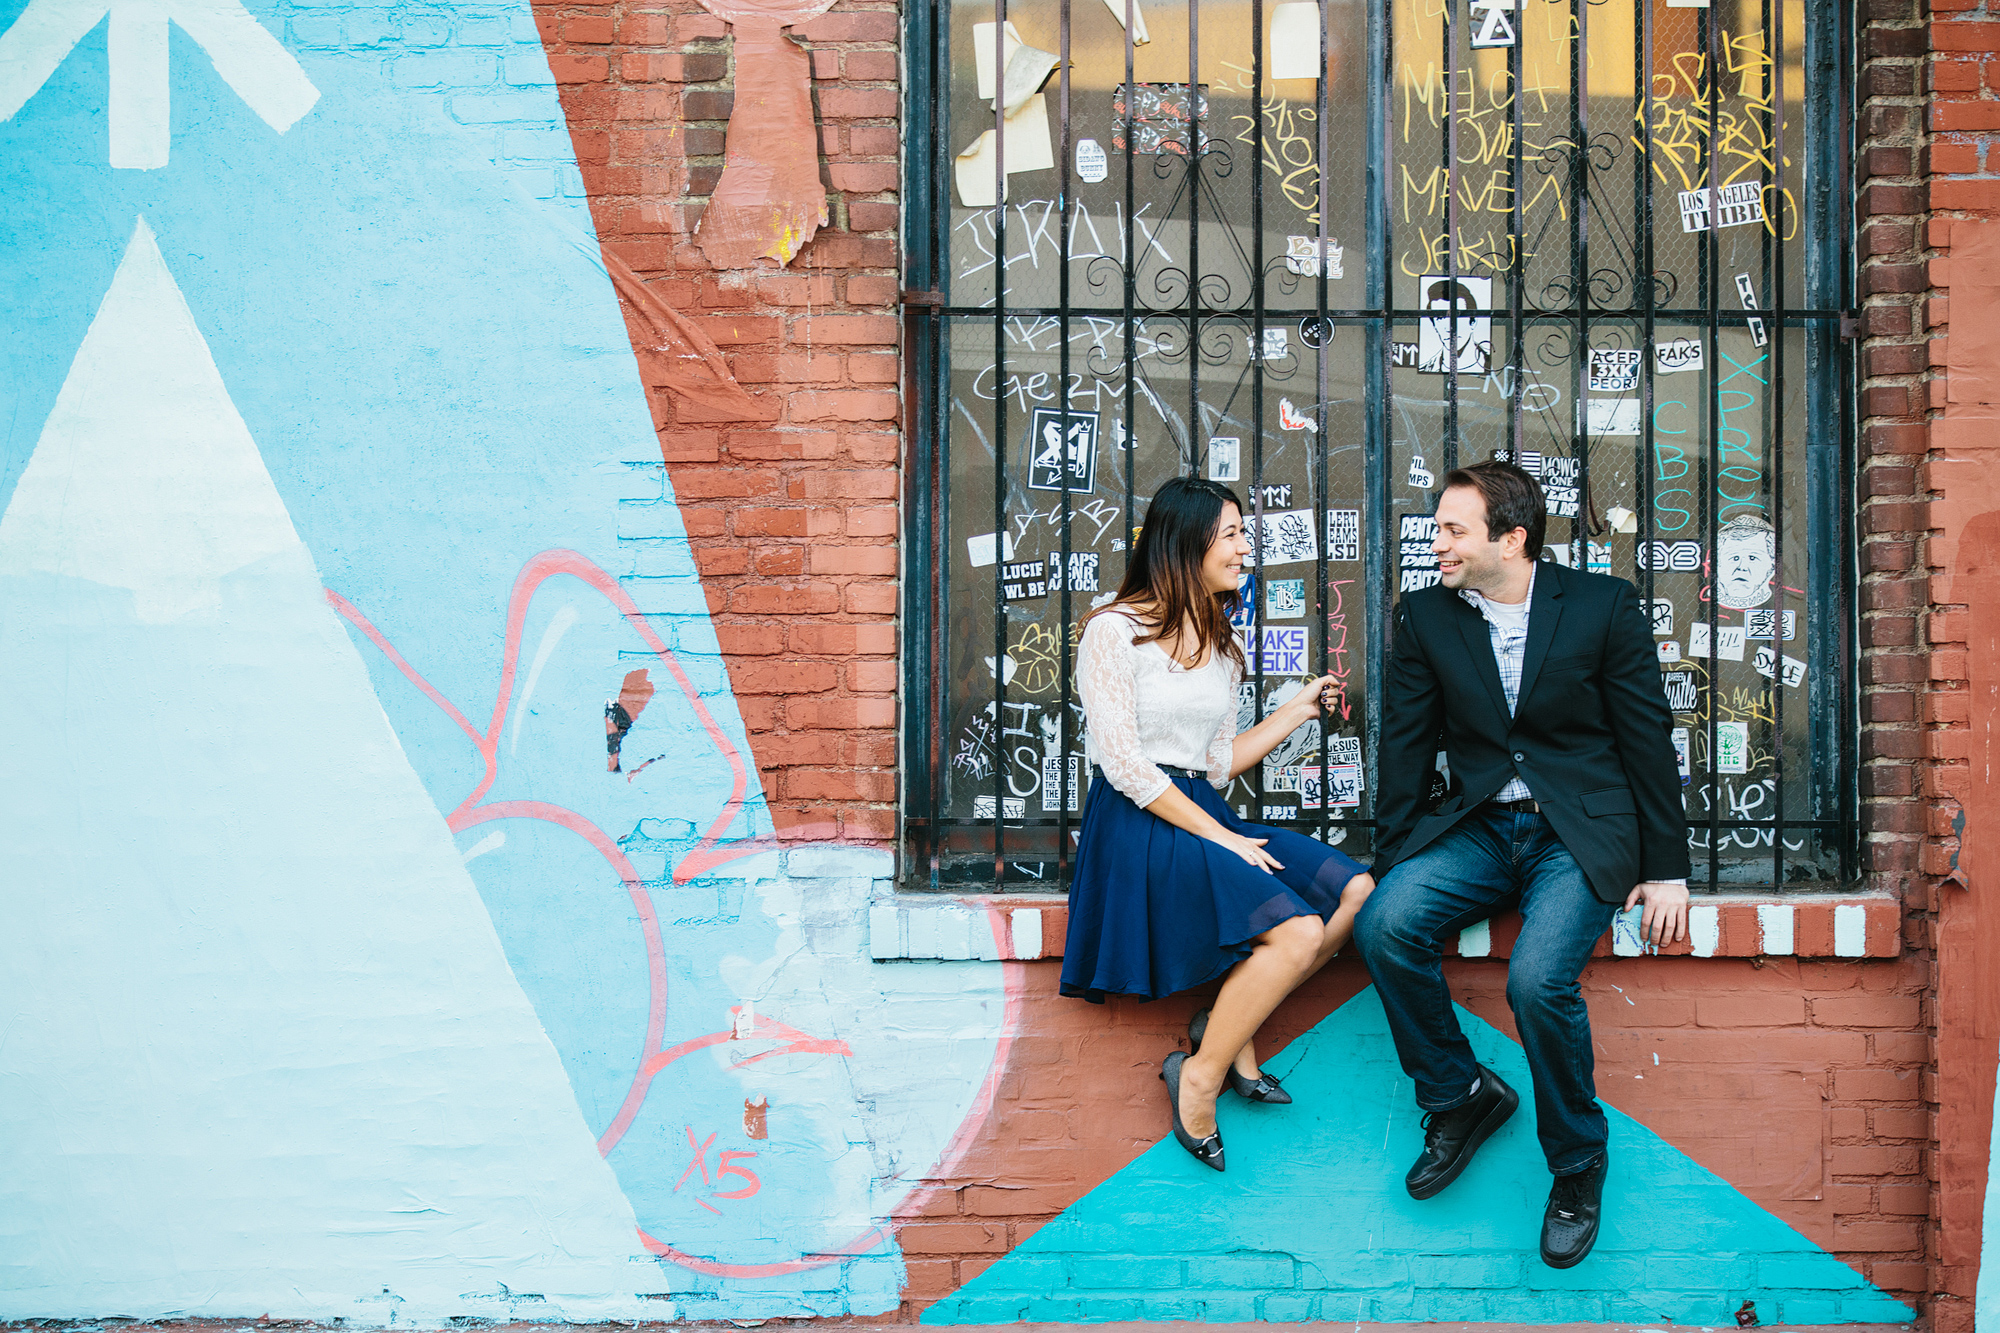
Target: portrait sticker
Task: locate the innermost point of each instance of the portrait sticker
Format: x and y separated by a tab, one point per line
1225	458
1455	335
1052	456
1285	599
1416	562
1732	747
1343	534
1283	538
1746	560
1614	370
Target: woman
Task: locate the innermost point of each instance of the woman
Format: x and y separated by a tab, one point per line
1171	888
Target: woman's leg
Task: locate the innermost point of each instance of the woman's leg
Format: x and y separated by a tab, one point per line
1337	934
1282	957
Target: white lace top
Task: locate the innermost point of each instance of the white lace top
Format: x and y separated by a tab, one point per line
1145	709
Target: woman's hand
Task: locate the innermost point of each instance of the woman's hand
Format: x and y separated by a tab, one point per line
1250	849
1312	697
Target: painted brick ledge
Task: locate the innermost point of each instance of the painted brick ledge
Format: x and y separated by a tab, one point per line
999	927
854	1325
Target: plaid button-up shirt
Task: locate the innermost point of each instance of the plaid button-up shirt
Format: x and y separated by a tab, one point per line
1510	651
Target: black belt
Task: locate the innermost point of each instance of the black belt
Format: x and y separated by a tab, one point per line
1168	769
1524	807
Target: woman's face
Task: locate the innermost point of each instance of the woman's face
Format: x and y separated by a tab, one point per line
1222	567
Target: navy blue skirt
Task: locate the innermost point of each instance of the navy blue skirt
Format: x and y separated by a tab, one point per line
1153	909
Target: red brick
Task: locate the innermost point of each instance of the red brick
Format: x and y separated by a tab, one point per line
870	289
877	560
1973	196
1886	319
837	249
843	640
783	677
872	598
1895	42
1881	1011
929	1279
1885	401
874	677
879	369
1884	437
796	522
849	329
642	29
693	446
591	31
780	561
767	599
863	26
1890	1236
733	482
791	444
1952	76
740	330
845	103
641	68
703	522
1873	1161
826	64
796	289
749	640
785	749
872	67
1749	1010
863	177
1950	158
849	485
840	714
953	1238
840	784
1900	1277
1901	1123
578	69
876	826
1965	36
867	215
872	521
843	405
1897	359
714	560
1874	1085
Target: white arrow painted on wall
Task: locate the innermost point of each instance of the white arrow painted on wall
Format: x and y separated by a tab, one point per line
248	58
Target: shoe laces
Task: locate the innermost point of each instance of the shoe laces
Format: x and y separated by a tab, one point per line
1568	1193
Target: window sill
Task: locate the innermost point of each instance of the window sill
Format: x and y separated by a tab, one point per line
1020	927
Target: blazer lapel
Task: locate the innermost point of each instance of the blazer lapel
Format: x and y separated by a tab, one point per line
1544	614
1479	647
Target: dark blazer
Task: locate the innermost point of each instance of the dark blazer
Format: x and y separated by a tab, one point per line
1592	735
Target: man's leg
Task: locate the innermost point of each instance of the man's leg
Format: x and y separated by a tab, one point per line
1561	919
1455	881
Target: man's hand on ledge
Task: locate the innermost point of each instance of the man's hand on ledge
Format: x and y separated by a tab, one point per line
1665	919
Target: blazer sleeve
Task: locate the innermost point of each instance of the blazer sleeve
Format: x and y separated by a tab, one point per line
1412	726
1636	706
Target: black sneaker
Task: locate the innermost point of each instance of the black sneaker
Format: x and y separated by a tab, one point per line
1569	1223
1451	1137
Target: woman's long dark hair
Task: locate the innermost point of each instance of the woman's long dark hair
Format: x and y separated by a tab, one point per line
1165	569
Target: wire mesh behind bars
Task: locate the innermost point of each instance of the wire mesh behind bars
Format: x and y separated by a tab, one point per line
1325	252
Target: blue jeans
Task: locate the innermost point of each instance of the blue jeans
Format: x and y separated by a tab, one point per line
1489	860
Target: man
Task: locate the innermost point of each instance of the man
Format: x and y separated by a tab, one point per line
1541	685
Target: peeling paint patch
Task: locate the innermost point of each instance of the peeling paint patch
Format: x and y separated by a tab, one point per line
622	712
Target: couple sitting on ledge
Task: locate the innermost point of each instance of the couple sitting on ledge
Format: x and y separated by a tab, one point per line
1541	686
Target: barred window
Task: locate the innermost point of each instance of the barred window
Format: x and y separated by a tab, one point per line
1325	252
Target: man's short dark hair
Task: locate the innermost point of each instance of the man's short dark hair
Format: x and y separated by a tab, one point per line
1513	500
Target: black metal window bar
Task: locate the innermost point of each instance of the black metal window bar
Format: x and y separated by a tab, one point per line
1326	252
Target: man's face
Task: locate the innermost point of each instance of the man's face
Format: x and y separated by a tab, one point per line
1468	556
1441	308
1744	568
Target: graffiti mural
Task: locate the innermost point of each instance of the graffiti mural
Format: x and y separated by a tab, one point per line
333	516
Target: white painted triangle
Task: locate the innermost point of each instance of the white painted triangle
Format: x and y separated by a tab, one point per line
261	1050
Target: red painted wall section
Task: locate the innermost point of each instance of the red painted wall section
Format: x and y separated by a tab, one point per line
791	514
1965	559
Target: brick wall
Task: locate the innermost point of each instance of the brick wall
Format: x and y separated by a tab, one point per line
792	519
1930	85
794	524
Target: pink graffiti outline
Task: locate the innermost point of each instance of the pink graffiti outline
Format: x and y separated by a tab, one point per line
705	855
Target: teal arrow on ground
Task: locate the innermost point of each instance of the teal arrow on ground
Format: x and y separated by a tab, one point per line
1311	1222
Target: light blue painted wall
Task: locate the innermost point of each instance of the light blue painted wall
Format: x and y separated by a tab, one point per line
403	302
